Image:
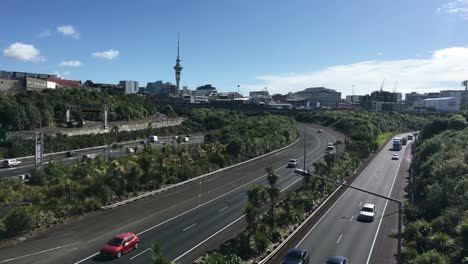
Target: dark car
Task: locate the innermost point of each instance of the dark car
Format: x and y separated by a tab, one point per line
337	260
296	256
120	245
70	154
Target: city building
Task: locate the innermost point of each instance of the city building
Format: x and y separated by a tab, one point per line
443	104
257	97
453	93
228	96
320	96
10	85
178	69
129	87
38	84
394	106
62	83
206	90
14	75
161	88
354	98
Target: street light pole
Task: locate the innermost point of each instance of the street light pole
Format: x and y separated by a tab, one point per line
305	143
399	202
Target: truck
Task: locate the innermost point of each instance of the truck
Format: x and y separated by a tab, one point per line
153	139
396	143
404	141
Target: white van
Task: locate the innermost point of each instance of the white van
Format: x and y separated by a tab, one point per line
153	139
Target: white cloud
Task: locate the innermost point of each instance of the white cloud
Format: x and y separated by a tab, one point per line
458	7
62	74
70	64
379	53
444	69
45	33
23	52
108	55
68	30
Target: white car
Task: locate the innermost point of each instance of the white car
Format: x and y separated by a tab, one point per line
330	146
293	163
9	163
367	212
185	139
130	150
395	157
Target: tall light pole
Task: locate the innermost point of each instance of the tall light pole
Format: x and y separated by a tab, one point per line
305	143
399	202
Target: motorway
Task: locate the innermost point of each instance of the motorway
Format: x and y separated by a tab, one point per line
186	220
27	163
338	232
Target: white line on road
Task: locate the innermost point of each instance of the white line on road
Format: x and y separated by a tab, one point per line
383	212
188	227
205	203
140	253
294	182
36	253
329	209
360	203
222	209
338	241
213	235
350	220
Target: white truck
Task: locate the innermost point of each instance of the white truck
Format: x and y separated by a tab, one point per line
153	139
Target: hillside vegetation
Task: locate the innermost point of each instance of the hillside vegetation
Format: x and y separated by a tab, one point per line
59	191
436	228
30	110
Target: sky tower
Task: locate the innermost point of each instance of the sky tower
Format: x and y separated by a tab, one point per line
177	68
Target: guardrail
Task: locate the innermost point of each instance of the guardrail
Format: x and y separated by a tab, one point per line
281	245
107	207
350	180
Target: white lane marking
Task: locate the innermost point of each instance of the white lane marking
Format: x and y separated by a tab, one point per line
211	179
222	209
85	259
196	207
140	253
292	183
383	212
219	231
188	227
37	253
66	234
360	203
350	220
338	241
329	209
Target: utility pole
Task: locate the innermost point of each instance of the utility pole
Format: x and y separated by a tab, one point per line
305	143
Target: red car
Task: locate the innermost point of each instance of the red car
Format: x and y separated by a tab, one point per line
120	245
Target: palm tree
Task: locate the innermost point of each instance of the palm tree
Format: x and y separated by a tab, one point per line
256	196
273	191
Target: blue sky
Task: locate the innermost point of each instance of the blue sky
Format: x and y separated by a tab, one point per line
283	45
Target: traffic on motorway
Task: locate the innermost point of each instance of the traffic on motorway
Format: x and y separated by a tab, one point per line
198	212
20	167
348	229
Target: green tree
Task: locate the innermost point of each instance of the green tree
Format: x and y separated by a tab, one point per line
273	192
158	258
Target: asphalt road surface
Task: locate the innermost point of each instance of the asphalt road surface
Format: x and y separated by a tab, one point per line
185	220
28	163
338	232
